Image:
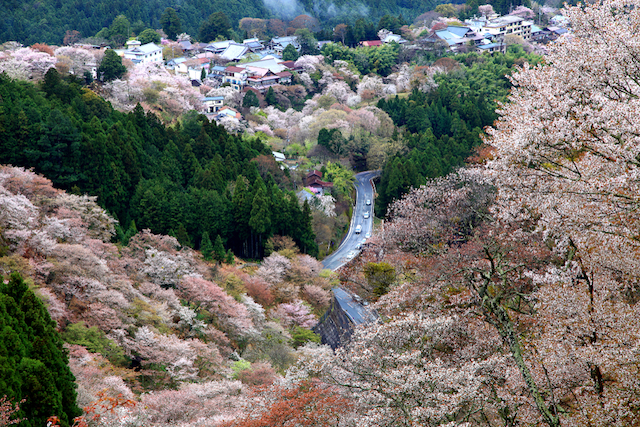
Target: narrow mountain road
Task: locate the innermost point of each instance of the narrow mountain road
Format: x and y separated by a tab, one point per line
361	222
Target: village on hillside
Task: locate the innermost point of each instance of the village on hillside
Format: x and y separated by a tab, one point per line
257	65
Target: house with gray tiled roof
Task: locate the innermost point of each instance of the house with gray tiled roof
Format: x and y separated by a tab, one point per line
143	54
278	44
235	52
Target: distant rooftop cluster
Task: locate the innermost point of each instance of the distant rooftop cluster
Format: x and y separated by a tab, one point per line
490	33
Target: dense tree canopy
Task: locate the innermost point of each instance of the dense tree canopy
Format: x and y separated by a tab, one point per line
32	360
445	124
173	180
290	53
217	25
170	22
49	20
149	36
111	66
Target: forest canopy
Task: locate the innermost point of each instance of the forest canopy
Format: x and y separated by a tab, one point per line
183	180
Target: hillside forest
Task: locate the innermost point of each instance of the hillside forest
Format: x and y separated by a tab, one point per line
159	268
185	181
49	21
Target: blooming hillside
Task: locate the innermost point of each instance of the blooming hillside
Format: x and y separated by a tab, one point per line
151	321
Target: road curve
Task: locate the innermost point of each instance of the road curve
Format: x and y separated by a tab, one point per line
348	249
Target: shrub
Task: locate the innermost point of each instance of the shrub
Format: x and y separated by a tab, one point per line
95	341
301	336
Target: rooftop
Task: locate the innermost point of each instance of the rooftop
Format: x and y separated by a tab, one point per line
504	20
234	52
145	48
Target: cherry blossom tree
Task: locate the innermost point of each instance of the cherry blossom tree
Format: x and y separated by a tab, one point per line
486	10
273	268
27	64
566	154
444	211
393	372
164	268
316	296
294	314
78	60
232	316
310	63
8	411
523	12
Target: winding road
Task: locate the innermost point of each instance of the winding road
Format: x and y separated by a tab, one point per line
349	247
349	310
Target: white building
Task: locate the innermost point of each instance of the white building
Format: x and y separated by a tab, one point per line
260	75
213	104
143	54
509	24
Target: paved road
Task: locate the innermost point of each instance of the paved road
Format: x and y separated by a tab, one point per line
353	306
348	249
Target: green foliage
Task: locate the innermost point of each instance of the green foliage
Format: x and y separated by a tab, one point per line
38	21
308	43
301	336
47	20
206	247
234	286
95	341
333	140
171	24
111	67
380	276
250	99
217	25
230	259
119	30
270	96
379	60
337	51
123	236
271	345
218	249
391	23
341	177
178	179
289	54
239	366
149	36
445	124
33	362
449	10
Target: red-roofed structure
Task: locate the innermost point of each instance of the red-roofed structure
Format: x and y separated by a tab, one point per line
315	182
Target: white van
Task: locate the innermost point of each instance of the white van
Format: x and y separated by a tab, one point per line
358	229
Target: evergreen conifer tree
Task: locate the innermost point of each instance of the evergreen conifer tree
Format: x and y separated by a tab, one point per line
170	23
206	247
230	258
270	96
218	249
250	100
290	53
260	220
33	362
111	66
